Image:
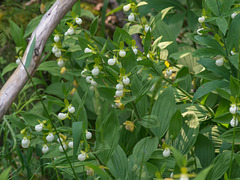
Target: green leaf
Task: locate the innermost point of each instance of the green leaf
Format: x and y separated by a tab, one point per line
228	135
188	134
180	160
234	86
77	8
183	79
147	42
144	148
209	87
213	6
9	68
165	11
30	53
32	119
175	125
220	165
77	128
224	118
99	171
223	93
149	121
5	173
17	34
204	150
206	52
164	108
163	45
226	5
202	175
94	26
222	24
32	25
118	164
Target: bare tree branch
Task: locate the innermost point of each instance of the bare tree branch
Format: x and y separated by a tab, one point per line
19	78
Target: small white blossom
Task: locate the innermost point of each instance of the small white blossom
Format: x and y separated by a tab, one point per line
169	72
71	109
25	142
50	137
39	127
87	50
56	38
70	31
58	54
111	62
135	50
89	79
126	80
198	31
62	147
166	152
62	116
233	109
131	17
70	144
95	71
122	53
234	15
18	61
127	7
234	122
201	19
219	62
82	157
88	135
119	86
54	49
60	63
147	28
45	149
78	20
119	93
93	83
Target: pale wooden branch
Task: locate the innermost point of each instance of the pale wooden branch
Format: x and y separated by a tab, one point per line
45	28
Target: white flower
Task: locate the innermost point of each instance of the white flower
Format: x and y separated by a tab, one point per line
18	61
62	116
169	72
139	58
219	62
54	49
135	50
45	149
148	55
83	71
198	31
93	83
71	109
122	53
234	15
233	109
62	147
78	20
59	140
56	38
82	157
87	50
70	144
89	79
66	33
60	63
147	28
70	31
119	86
50	137
184	177
201	19
39	127
234	122
88	135
95	71
152	88
111	62
166	152
232	53
119	93
58	54
171	175
25	142
127	7
131	17
126	80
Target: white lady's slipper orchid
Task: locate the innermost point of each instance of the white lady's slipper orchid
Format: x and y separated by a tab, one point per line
78	20
127	7
126	80
45	149
56	38
39	127
50	137
122	53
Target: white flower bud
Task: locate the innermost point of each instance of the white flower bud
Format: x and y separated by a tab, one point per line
166	152
169	72
62	116
54	49
131	17
201	19
50	137
126	80
127	7
234	122
88	135
234	15
135	50
58	54
219	62
25	142
119	93
71	109
198	31
139	59
78	21
70	144
18	61
122	53
45	149
39	127
89	79
184	177
82	157
233	109
70	31
95	71
66	33
87	50
119	86
56	38
111	62
60	63
62	147
147	28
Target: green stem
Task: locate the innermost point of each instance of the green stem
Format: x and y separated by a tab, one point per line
230	169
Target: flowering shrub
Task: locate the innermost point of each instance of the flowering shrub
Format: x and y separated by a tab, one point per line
116	111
